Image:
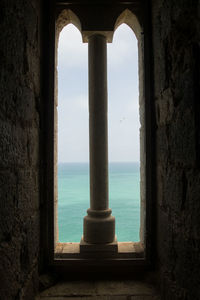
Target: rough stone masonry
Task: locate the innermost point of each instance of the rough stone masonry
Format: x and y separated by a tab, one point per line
176	103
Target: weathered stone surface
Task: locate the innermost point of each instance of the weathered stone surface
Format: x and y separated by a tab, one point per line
91	298
104	298
129	287
144	298
176	60
19	148
108	290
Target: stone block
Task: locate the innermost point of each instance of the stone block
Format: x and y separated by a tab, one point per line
30	287
86	298
154	297
124	287
97	289
27	193
13	142
182	139
97	249
173	189
25	104
10	272
8	202
162	147
164	107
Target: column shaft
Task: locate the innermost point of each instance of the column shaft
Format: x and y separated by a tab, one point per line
98	122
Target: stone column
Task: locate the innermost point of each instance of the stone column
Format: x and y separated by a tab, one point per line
99	225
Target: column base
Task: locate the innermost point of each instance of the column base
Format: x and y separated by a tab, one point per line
89	248
99	227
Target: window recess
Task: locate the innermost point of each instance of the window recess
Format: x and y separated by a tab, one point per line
98	246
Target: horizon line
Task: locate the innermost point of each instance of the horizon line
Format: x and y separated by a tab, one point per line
84	162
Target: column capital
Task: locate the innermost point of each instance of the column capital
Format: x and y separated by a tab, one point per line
87	34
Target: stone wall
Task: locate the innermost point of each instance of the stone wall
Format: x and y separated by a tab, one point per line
19	148
177	105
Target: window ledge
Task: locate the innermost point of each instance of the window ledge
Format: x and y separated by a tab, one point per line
125	250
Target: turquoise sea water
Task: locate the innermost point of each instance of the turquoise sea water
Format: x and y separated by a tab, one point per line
73	199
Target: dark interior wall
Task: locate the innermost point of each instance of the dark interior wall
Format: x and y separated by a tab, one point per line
177	106
19	148
176	87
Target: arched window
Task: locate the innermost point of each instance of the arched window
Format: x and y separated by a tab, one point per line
123	129
73	134
99	233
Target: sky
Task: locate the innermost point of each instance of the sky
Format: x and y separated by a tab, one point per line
123	102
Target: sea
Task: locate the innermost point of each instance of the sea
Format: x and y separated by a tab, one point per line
73	199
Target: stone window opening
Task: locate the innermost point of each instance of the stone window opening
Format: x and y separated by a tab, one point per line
99	218
73	132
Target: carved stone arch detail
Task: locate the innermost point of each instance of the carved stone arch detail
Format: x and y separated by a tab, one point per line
130	19
66	17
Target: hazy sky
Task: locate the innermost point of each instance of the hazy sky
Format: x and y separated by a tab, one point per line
123	107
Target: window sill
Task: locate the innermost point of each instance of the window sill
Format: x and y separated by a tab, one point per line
125	250
130	257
